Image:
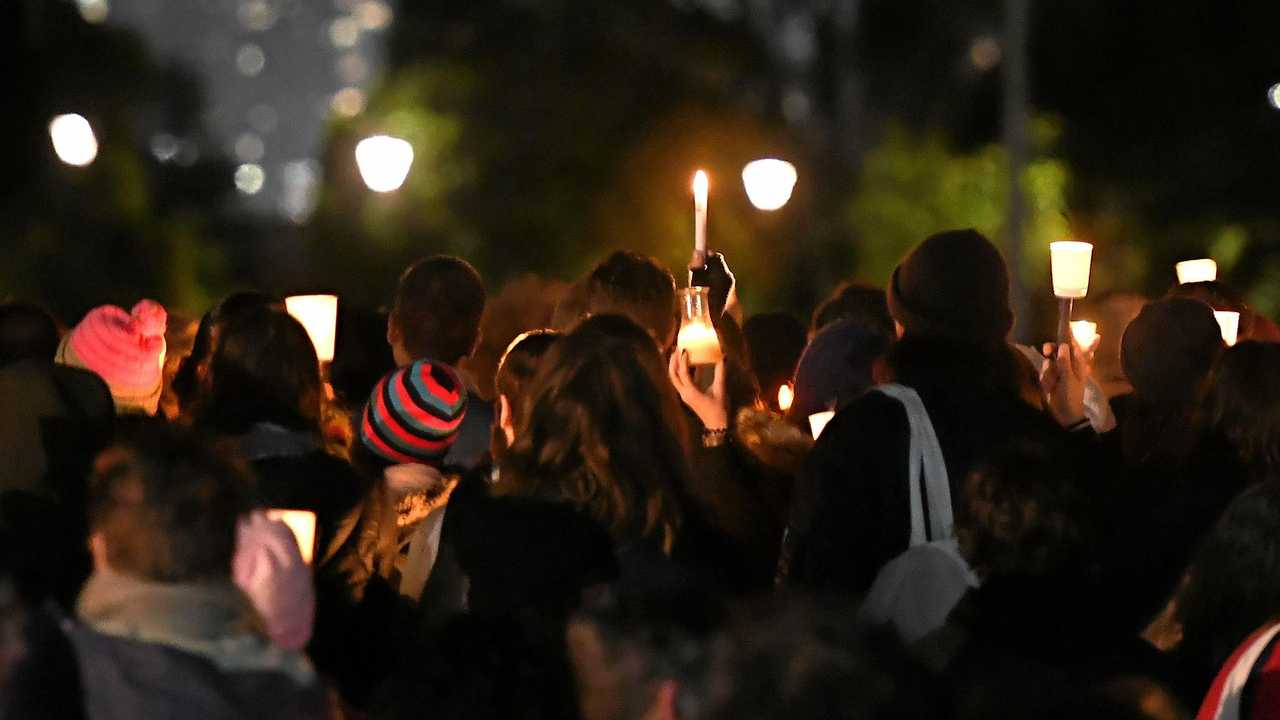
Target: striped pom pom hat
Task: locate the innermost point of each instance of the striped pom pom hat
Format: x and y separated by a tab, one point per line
414	414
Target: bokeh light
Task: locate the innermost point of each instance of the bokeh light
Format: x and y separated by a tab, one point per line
384	162
344	32
93	11
348	102
73	139
373	14
1273	96
250	60
249	148
769	182
250	178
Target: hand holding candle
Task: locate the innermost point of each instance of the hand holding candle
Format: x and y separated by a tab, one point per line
697	334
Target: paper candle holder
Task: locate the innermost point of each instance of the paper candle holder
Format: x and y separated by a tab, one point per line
319	315
818	422
1194	271
1069	261
1229	322
1084	331
302	523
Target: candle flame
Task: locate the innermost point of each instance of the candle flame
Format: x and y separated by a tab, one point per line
786	396
700	185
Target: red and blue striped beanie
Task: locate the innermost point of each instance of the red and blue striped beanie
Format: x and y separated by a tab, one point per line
414	414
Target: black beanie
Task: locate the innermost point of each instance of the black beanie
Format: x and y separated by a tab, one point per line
1169	350
953	286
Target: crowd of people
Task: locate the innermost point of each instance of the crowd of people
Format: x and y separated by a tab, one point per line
533	505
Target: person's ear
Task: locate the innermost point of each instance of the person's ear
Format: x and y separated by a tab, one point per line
393	332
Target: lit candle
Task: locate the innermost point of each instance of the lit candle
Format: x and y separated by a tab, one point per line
700	185
319	315
1194	271
700	341
1229	322
769	182
818	422
302	523
786	396
1069	261
1085	332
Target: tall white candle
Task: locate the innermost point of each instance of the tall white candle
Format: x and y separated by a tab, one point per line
700	185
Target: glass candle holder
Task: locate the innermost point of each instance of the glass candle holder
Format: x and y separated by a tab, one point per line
697	333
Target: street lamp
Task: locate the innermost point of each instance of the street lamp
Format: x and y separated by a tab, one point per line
73	139
769	182
384	162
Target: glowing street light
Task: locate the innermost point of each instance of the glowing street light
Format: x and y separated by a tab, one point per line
73	139
769	182
384	162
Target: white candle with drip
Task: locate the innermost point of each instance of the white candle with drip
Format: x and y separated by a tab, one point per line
700	186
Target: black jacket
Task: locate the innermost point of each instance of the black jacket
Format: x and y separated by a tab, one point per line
850	511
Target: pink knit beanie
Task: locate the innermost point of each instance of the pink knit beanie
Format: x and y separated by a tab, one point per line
268	568
125	348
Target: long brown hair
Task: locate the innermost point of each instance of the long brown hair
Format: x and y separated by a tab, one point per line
602	429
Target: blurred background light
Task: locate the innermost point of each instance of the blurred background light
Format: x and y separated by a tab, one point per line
249	148
93	11
256	15
348	102
985	53
164	146
250	60
384	162
1273	96
73	139
373	14
769	182
250	178
344	32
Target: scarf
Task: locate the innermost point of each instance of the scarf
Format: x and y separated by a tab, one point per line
211	619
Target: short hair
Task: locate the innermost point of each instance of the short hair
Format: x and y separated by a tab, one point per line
438	307
27	332
166	505
637	286
864	304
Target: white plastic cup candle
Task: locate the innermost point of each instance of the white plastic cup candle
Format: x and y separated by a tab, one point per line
384	162
786	396
700	186
1194	271
319	315
818	422
1229	322
769	182
1069	261
302	523
73	139
1084	331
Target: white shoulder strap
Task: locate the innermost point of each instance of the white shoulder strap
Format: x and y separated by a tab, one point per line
926	470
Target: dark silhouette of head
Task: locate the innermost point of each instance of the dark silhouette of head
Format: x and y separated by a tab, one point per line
437	311
27	332
639	287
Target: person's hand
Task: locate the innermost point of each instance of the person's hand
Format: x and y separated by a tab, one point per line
1063	380
712	405
711	270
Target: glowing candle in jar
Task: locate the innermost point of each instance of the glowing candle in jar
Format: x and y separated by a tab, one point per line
700	185
319	315
1229	322
302	523
1194	271
1085	332
1069	261
786	396
700	341
818	422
